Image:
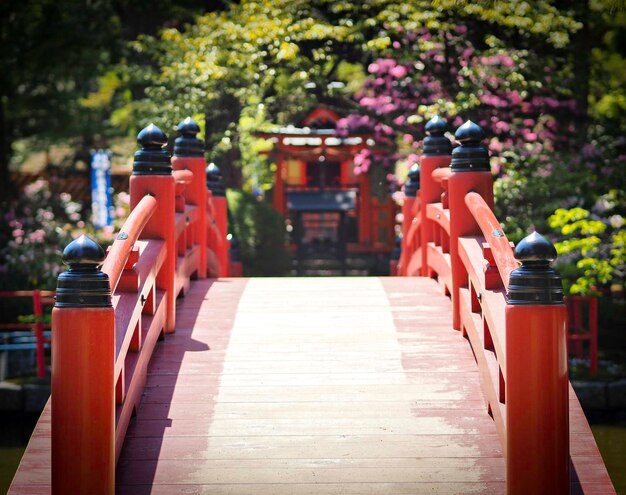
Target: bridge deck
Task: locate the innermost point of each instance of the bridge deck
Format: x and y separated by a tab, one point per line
317	386
315	383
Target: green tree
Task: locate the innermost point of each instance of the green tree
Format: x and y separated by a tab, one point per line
51	53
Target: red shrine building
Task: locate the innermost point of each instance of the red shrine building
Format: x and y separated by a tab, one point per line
332	213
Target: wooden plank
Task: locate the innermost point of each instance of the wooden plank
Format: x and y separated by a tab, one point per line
448	488
310	447
257	471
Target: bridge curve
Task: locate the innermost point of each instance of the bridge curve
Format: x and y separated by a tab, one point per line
314	385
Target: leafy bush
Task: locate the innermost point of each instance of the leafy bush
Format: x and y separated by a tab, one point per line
260	231
592	249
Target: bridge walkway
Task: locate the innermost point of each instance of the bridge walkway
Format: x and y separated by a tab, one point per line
313	385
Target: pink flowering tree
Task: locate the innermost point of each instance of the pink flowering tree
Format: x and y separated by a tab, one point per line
36	226
544	79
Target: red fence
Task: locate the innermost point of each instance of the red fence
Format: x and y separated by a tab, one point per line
513	317
39	298
106	322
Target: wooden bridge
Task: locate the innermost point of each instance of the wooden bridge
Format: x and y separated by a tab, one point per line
310	385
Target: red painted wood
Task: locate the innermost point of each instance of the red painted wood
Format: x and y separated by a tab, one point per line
160	226
83	406
537	399
121	249
222	245
462	223
430	192
492	231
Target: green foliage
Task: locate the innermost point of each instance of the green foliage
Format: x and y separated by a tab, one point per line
592	249
260	231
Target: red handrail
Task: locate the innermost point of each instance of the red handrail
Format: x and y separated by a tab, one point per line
519	347
492	231
125	241
439	175
103	351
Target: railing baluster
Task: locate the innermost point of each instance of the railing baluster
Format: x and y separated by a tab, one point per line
470	172
437	149
83	356
189	154
152	175
410	239
220	207
537	406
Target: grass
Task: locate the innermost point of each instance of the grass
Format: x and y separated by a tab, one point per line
611	441
9	460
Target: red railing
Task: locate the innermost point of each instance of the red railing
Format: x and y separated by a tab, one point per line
102	344
582	317
39	299
513	317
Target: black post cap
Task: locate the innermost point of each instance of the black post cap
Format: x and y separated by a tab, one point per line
535	282
471	155
435	143
214	180
152	158
83	285
187	144
397	248
412	185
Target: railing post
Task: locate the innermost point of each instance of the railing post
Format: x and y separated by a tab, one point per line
215	185
436	154
395	256
536	383
152	174
189	154
83	357
408	246
470	172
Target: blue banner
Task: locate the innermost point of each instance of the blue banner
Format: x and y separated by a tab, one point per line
101	197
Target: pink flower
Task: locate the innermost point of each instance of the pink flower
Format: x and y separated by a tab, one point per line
531	136
398	71
37	236
373	68
18	233
495	146
515	98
